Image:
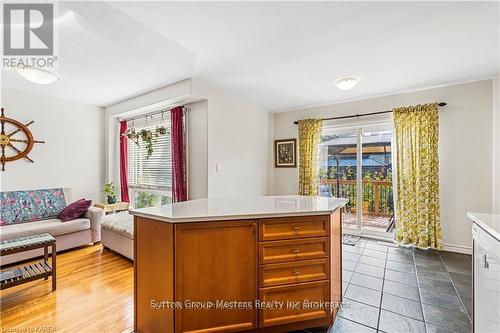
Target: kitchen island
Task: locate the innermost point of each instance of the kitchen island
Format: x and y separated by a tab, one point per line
260	264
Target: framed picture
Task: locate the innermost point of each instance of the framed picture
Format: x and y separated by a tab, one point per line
285	153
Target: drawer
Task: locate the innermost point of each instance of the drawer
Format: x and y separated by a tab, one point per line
294	250
294	272
294	227
297	295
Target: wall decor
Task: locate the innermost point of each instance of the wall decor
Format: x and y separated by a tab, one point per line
285	153
16	140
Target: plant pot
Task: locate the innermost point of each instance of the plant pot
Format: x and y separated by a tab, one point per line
111	200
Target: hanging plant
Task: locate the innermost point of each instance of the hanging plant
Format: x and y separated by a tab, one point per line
161	130
146	136
131	134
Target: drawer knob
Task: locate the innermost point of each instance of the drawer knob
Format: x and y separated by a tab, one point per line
296	273
296	228
295	250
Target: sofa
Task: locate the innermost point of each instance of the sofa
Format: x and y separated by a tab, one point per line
117	233
27	213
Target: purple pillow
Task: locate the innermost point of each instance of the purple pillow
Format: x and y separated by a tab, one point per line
74	210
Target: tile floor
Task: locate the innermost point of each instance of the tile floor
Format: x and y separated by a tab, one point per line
396	290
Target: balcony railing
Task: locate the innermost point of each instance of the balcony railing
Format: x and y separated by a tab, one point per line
376	194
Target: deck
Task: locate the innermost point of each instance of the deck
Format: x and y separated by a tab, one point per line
369	222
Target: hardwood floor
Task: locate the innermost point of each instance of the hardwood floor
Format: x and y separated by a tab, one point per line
94	294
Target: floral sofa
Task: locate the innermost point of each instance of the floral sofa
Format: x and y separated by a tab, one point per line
26	213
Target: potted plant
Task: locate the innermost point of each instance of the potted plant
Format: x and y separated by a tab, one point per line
110	190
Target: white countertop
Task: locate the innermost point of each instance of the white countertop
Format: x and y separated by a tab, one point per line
241	208
488	222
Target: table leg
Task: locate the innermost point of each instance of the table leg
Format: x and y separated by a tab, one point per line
53	257
46	256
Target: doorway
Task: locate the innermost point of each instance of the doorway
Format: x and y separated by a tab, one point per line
356	163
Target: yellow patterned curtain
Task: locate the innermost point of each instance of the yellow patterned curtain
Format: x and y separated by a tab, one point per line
417	182
309	140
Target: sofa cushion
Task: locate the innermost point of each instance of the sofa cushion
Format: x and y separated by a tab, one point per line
54	227
121	223
74	210
28	206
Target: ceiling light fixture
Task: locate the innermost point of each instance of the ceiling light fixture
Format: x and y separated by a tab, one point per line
37	75
346	83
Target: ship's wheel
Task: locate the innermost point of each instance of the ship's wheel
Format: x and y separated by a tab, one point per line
16	140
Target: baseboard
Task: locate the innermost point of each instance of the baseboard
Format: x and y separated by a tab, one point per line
457	248
446	247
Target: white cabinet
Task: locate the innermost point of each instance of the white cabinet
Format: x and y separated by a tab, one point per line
486	281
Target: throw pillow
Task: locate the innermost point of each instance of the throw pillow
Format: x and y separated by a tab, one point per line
74	210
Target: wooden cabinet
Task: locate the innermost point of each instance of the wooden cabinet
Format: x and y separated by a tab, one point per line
294	250
300	264
292	303
153	275
215	262
193	265
295	272
294	227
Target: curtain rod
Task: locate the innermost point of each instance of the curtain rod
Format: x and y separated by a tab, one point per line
148	114
363	114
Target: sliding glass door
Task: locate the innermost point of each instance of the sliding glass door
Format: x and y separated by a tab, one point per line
338	173
376	169
356	163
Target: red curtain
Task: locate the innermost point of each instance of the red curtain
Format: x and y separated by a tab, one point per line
124	161
179	187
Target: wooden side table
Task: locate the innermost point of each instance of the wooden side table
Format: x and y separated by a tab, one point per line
113	208
31	271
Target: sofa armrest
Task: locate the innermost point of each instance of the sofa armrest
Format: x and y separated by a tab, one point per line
95	215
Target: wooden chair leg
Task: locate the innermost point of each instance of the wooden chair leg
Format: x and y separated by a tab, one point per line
54	275
46	257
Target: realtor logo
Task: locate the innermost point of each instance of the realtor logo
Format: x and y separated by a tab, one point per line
30	35
28	29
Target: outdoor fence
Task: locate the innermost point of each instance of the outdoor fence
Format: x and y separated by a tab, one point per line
376	194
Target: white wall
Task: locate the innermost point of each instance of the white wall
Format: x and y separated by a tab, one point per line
223	130
496	145
73	155
197	150
238	142
465	149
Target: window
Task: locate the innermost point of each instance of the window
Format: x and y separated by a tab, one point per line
150	179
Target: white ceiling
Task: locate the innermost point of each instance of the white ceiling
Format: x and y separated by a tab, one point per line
278	55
